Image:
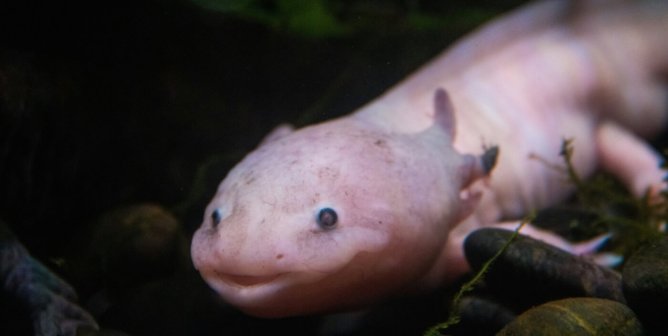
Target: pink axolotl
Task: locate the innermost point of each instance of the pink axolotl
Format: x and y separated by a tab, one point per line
344	213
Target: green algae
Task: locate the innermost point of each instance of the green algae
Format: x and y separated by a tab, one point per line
454	317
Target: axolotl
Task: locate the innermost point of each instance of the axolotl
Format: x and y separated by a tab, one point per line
348	212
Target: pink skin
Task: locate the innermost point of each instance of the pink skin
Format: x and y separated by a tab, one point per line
267	247
404	196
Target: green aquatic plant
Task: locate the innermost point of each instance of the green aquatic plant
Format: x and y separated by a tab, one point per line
302	17
611	208
633	220
327	18
454	317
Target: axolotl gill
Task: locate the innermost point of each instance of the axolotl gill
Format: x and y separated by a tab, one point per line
348	212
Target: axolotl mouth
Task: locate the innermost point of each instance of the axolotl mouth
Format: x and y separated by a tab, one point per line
246	280
248	290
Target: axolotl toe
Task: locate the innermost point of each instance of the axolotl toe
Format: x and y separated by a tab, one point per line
348	212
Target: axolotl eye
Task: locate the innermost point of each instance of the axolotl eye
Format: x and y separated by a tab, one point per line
216	217
327	218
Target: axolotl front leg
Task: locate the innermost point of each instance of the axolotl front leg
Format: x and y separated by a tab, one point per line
627	157
618	151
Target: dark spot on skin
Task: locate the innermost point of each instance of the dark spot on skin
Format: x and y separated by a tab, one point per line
328	173
327	218
384	149
279	256
248	177
315	198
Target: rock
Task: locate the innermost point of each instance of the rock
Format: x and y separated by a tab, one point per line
531	272
576	316
481	316
137	243
645	283
35	290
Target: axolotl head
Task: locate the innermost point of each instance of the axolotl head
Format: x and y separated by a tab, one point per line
332	216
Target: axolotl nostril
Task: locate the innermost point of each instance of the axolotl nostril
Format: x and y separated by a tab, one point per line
344	213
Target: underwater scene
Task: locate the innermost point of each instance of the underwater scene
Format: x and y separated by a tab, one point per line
358	167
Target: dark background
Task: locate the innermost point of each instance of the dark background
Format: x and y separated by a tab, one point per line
114	103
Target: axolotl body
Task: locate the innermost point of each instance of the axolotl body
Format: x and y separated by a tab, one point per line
344	213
